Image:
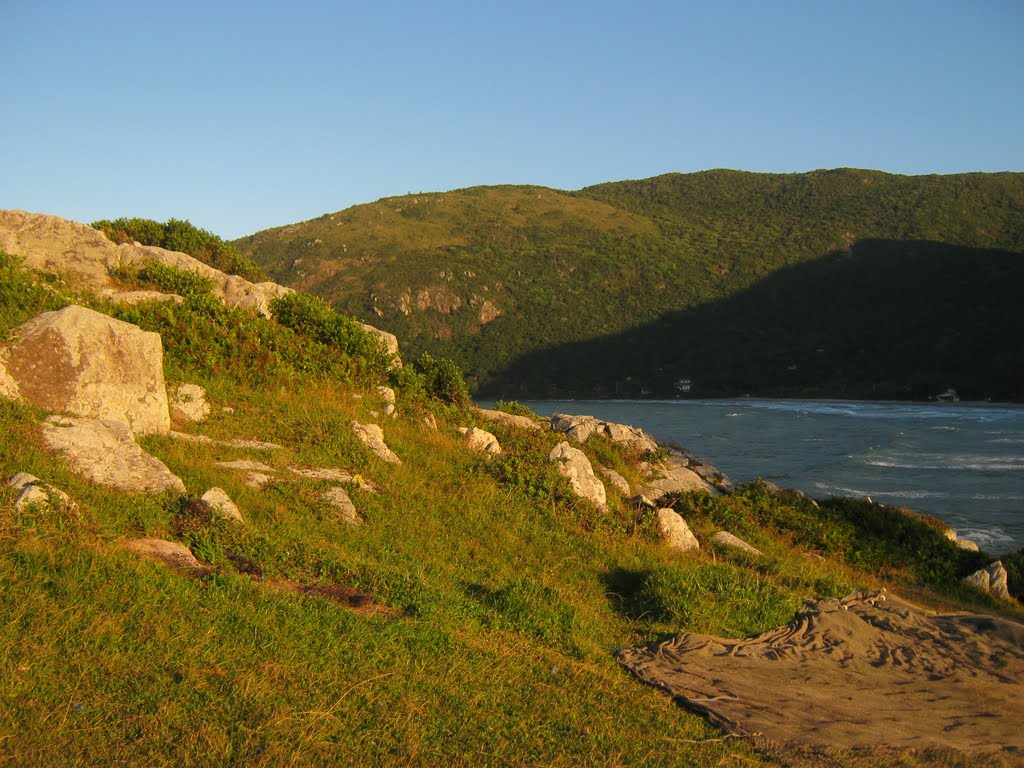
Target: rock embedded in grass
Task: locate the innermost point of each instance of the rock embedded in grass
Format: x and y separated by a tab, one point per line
106	453
372	436
726	539
481	440
573	464
675	531
189	402
34	492
219	501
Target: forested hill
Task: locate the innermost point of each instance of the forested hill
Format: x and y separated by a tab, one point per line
628	287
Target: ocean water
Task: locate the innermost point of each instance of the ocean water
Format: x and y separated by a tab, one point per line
963	463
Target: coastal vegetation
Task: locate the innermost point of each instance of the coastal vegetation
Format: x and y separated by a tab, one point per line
472	618
847	282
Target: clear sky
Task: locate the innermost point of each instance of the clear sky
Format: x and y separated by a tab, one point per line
245	115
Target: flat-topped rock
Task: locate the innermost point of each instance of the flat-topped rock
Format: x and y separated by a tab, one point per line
106	453
172	553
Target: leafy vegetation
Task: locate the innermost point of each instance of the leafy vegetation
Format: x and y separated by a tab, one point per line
180	235
832	283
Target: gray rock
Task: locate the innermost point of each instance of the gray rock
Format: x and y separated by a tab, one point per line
87	364
34	492
257	480
580	428
726	539
218	500
617	480
572	463
258	445
509	419
430	420
675	476
387	340
992	579
386	394
322	473
245	465
481	440
675	532
372	436
338	498
189	402
106	453
170	553
641	502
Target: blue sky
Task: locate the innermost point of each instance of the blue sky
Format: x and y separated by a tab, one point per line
245	115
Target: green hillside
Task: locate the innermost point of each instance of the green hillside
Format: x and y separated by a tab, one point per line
472	618
504	278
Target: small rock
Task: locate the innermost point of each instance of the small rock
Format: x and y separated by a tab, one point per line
386	394
34	491
222	504
338	498
991	579
372	436
675	531
481	440
257	480
430	420
227	409
324	473
641	502
245	465
189	402
616	480
170	553
726	539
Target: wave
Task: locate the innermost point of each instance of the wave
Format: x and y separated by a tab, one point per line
939	461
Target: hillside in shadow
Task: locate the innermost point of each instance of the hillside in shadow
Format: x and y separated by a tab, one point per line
898	319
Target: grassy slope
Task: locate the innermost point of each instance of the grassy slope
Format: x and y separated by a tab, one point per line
565	268
510	597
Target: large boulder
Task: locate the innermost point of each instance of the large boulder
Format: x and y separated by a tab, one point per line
85	258
573	464
106	453
84	363
388	340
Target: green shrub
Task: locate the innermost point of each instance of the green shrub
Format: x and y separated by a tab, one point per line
314	318
180	235
22	296
515	408
443	380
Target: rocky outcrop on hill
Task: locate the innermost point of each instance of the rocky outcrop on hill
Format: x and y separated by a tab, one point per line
85	258
106	453
84	363
580	428
573	464
674	475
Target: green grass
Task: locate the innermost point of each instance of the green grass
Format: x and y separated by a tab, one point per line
509	596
